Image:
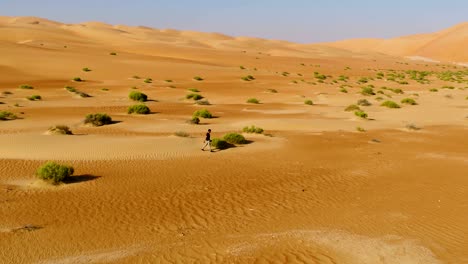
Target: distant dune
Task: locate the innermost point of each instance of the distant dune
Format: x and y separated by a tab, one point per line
446	45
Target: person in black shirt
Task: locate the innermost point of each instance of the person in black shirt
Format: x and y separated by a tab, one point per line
208	140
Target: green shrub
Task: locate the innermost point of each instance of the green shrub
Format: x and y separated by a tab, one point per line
379	98
234	138
194	96
367	91
98	119
202	102
352	107
242	67
202	113
182	134
221	144
169	81
360	129
5	115
140	109
390	104
360	114
148	80
54	172
77	79
433	90
195	120
71	89
248	78
198	78
272	90
138	96
194	90
60	130
34	97
83	95
397	91
343	90
26	86
363	102
308	102
253	101
86	69
409	101
253	129
105	89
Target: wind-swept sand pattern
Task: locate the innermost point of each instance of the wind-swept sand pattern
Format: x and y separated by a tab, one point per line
310	189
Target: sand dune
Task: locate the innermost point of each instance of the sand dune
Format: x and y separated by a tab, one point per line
320	185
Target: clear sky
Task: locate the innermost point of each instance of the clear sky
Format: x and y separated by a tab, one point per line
294	20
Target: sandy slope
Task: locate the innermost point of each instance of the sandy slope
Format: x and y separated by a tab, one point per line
312	190
446	45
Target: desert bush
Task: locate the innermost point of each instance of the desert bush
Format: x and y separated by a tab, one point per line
219	143
6	93
352	107
113	53
83	95
390	104
363	102
86	69
198	78
272	90
360	129
71	89
182	134
409	101
60	130
5	115
138	96
361	114
397	91
26	86
202	113
194	90
77	79
343	90
136	77
105	89
34	97
248	78
242	67
148	80
253	101
234	138
253	130
412	126
367	91
169	81
54	172
195	120
98	119
433	90
194	96
139	109
308	102
202	102
379	98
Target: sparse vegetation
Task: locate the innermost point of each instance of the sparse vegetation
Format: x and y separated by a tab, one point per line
139	109
86	69
363	102
182	134
148	80
360	129
198	78
195	120
194	90
202	113
55	173
272	90
352	107
77	79
26	87
308	102
34	97
252	130
98	119
234	138
412	126
5	115
361	114
253	101
368	90
113	53
409	101
60	130
138	96
248	78
390	104
433	90
220	144
202	102
194	96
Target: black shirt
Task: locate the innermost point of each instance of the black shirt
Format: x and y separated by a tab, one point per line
208	137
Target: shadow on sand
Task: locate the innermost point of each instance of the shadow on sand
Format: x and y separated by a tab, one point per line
81	178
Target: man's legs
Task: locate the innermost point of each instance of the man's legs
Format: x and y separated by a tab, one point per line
206	144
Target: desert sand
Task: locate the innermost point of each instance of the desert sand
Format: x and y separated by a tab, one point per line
320	185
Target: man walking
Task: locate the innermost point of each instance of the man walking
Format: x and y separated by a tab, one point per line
207	141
